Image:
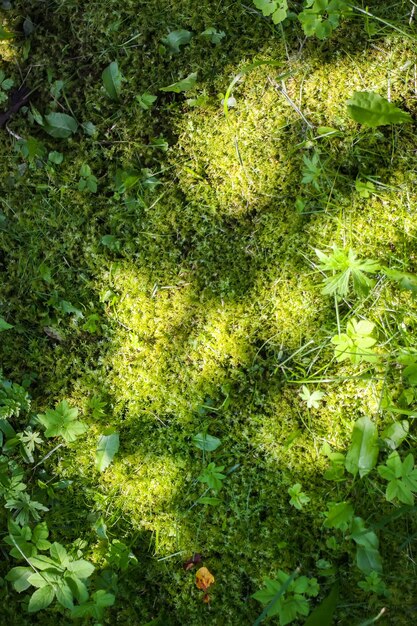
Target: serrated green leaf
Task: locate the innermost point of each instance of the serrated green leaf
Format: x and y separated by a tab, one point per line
41	599
18	576
107	447
362	455
339	515
371	109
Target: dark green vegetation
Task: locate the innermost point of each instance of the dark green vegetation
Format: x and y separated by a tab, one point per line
158	267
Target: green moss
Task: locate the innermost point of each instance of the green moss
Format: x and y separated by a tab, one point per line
210	311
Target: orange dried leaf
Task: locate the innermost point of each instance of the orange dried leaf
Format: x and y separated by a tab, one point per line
203	578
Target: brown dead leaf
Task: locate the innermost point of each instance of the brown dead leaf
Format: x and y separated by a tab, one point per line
203	578
196	558
206	598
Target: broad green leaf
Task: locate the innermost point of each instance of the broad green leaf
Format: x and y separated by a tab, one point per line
59	554
362	455
182	85
4	34
60	125
103	599
18	576
176	39
368	560
112	80
371	109
64	594
40	535
78	587
107	447
403	279
395	434
81	568
4	325
206	442
55	157
339	515
41	599
324	612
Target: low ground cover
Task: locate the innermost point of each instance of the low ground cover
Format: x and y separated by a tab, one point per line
208	302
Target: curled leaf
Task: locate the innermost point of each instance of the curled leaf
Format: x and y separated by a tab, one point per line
196	558
204	578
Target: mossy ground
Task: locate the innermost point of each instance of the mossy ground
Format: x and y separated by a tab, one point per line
207	290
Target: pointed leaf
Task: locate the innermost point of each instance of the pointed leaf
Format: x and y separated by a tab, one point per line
60	125
371	109
41	599
18	576
182	85
107	447
323	613
112	80
362	455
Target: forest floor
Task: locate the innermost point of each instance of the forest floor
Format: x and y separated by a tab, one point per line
174	296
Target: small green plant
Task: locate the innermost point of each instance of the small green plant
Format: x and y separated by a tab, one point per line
401	477
213	35
373	583
322	17
365	188
294	599
356	344
212	476
5	85
298	497
276	9
312	171
87	181
313	399
146	101
62	422
57	576
346	268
